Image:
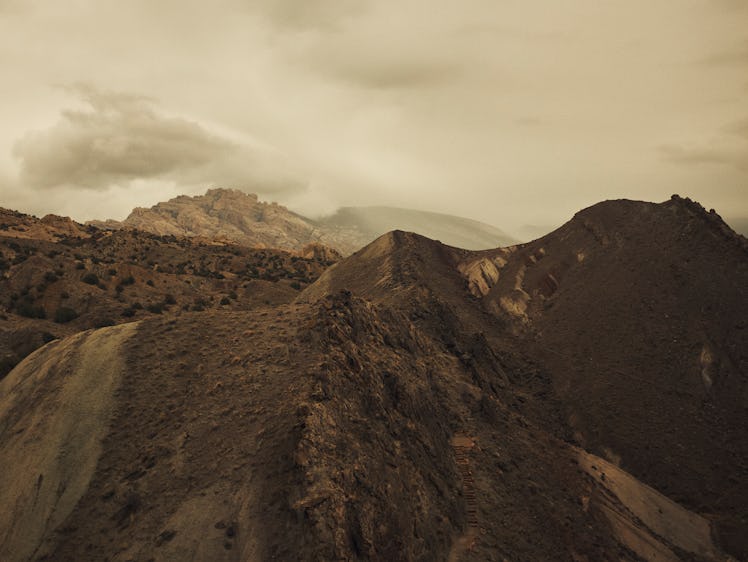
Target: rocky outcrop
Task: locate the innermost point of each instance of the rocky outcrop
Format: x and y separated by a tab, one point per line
51	228
241	218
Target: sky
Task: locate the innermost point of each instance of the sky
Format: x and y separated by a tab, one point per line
513	112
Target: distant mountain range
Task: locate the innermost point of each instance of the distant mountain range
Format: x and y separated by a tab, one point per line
238	217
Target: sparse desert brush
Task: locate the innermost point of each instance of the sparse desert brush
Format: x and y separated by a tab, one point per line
65	314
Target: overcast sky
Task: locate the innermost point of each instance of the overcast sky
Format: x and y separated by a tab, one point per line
512	112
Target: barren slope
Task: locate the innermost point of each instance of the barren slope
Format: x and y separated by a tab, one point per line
420	402
638	311
311	432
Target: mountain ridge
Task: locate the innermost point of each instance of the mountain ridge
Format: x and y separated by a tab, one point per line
239	217
581	396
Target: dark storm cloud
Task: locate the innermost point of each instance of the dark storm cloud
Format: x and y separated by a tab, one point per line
119	138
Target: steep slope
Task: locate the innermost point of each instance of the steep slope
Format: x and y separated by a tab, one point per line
416	402
633	315
337	430
638	311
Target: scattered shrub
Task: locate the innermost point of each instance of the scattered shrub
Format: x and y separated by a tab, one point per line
65	314
155	308
129	280
48	337
296	285
225	301
149	283
30	310
169	299
7	363
90	278
50	277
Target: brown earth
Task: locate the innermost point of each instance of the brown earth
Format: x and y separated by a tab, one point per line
53	285
417	402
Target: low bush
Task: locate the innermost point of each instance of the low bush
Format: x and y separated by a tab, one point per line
65	314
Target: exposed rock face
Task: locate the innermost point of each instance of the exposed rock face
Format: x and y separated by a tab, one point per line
399	411
238	217
226	214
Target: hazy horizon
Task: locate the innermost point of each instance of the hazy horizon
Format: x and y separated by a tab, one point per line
513	114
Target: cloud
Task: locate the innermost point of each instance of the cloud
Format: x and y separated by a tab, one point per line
737	56
739	129
320	15
120	138
386	75
691	155
729	148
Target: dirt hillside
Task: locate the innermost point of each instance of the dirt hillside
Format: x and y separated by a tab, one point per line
416	402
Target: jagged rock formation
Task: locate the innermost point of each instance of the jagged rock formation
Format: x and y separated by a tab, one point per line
224	214
403	409
232	215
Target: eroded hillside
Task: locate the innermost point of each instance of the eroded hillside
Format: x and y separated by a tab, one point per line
57	282
416	402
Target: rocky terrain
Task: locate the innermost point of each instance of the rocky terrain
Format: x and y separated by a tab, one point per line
238	217
580	397
58	277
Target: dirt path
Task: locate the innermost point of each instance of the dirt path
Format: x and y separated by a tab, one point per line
462	446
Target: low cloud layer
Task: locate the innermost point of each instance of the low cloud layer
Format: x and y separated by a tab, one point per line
729	148
119	138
